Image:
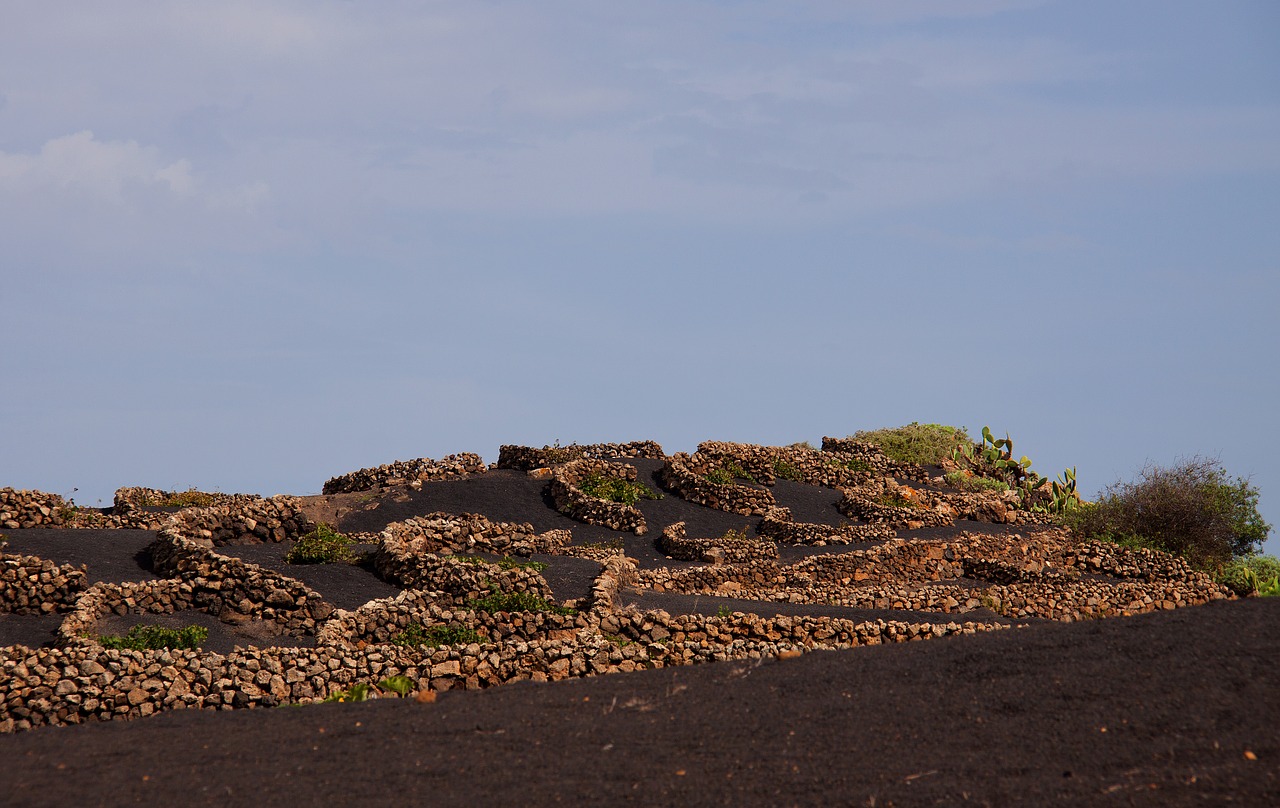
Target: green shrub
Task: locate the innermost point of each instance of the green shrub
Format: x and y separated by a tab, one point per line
497	601
415	635
401	686
151	638
324	545
786	471
728	473
852	464
1194	510
972	482
920	444
506	563
1251	574
616	489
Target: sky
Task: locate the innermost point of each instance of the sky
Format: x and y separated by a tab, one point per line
248	246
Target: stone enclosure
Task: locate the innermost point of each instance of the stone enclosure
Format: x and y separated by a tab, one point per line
473	612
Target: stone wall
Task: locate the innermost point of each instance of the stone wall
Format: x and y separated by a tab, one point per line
407	472
198	578
406	550
31	585
768	464
575	503
527	458
720	550
866	503
245	519
73	685
384	621
25	509
869	454
684	476
460	582
777	525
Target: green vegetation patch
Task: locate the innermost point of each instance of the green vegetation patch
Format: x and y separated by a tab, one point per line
920	444
400	686
152	638
1252	574
497	601
786	471
187	499
616	489
506	563
729	473
972	482
415	635
324	545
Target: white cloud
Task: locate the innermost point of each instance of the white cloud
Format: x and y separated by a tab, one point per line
104	169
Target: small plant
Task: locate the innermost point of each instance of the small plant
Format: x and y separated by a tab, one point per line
616	489
919	444
724	611
610	545
190	498
400	686
498	601
324	545
968	481
894	499
852	464
557	454
506	563
786	471
415	635
736	535
1252	574
153	638
728	473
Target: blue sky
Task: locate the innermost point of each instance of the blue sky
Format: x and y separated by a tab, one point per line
252	245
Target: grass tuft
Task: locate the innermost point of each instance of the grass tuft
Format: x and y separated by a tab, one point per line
920	444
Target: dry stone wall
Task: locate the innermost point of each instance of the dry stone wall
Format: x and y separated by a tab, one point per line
31	585
684	475
571	500
720	550
871	456
777	525
407	472
246	519
407	550
527	458
26	509
52	686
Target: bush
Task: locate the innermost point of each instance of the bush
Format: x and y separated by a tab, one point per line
616	489
415	635
920	444
729	473
1193	510
324	545
786	471
1259	574
152	638
497	601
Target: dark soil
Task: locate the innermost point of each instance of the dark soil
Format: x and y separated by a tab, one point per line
1160	710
